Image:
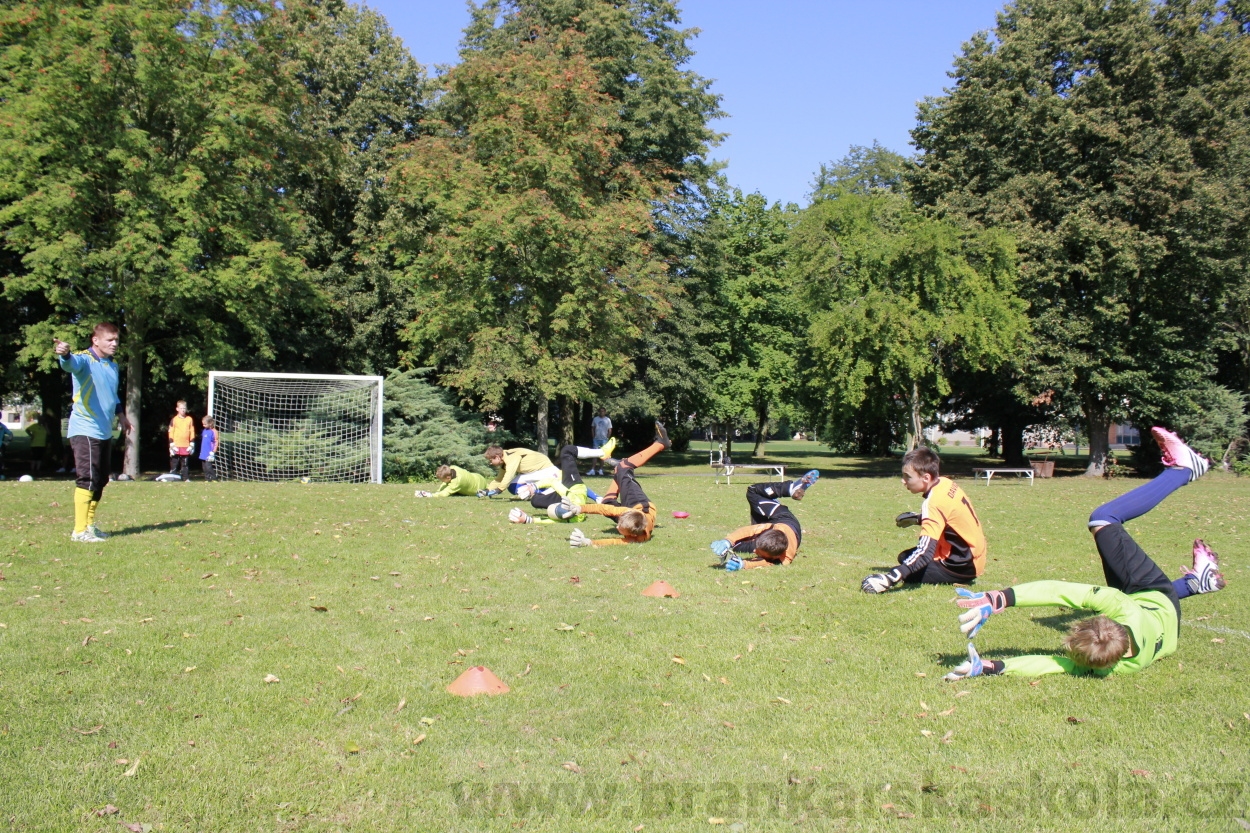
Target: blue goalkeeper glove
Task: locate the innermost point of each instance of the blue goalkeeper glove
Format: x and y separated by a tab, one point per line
973	667
980	607
487	492
733	562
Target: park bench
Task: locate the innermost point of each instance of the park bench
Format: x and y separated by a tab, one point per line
988	474
726	468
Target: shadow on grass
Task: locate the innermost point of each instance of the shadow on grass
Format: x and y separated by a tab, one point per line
950	660
135	530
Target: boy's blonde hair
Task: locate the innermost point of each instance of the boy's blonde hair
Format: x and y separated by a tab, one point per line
1097	643
444	473
771	543
924	461
633	523
208	423
492	451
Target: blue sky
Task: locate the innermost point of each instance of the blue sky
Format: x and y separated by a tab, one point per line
801	80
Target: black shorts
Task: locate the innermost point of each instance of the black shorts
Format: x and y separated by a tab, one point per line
91	462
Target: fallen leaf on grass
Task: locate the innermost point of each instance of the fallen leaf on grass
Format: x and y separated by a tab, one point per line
1074	720
107	810
400	707
565	627
208	575
926	733
90	731
526	671
921	674
352	749
427	721
959	769
136	827
985	808
679	660
88	638
715	820
1140	773
418	739
270	678
133	769
924	705
946	738
782	700
962	693
319	608
189	669
1218	640
728	725
571	766
947	713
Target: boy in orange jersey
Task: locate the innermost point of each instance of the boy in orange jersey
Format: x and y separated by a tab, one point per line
181	441
774	534
951	549
625	501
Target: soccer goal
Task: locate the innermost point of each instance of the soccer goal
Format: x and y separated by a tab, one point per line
289	426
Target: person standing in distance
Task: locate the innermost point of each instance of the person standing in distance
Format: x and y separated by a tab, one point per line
91	423
601	430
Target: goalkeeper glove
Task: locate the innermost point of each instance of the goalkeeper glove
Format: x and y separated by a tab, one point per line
173	449
517	516
578	539
487	492
973	667
212	456
907	519
190	449
880	582
722	548
421	493
980	607
733	562
564	510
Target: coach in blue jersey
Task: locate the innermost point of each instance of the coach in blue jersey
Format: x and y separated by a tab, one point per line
96	403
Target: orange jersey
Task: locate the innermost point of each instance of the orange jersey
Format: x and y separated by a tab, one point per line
949	531
648	512
182	430
755	530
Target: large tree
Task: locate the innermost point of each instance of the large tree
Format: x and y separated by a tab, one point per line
523	231
898	302
1110	139
146	154
368	97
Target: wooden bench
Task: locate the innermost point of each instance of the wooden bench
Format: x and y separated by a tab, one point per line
988	474
728	470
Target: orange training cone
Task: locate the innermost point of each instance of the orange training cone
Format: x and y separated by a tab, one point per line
661	588
478	680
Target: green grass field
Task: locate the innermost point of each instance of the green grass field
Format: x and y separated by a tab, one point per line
134	671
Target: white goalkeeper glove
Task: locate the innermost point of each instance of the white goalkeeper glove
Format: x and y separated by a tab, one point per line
972	667
191	449
421	493
212	456
516	516
577	538
880	582
980	607
173	449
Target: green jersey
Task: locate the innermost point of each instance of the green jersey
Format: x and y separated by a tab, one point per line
1149	616
463	483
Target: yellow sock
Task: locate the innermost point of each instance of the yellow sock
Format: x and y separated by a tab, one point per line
91	507
82	504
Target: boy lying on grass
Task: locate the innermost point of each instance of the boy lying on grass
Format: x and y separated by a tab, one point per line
1140	612
774	534
625	501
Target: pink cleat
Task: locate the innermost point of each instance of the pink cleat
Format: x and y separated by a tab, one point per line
1178	455
1204	576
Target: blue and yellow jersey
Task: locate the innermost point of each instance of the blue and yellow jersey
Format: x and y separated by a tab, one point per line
95	394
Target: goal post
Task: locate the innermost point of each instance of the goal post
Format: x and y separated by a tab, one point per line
288	426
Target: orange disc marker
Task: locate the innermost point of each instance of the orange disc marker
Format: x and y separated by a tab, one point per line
659	589
477	680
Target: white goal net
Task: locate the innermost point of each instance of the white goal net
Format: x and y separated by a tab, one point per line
289	426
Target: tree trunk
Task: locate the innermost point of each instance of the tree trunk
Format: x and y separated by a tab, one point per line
52	403
567	421
540	426
992	446
1012	436
134	399
761	427
1099	423
916	428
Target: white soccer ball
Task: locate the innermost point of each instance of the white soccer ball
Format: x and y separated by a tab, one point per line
525	491
25	478
168	477
123	476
